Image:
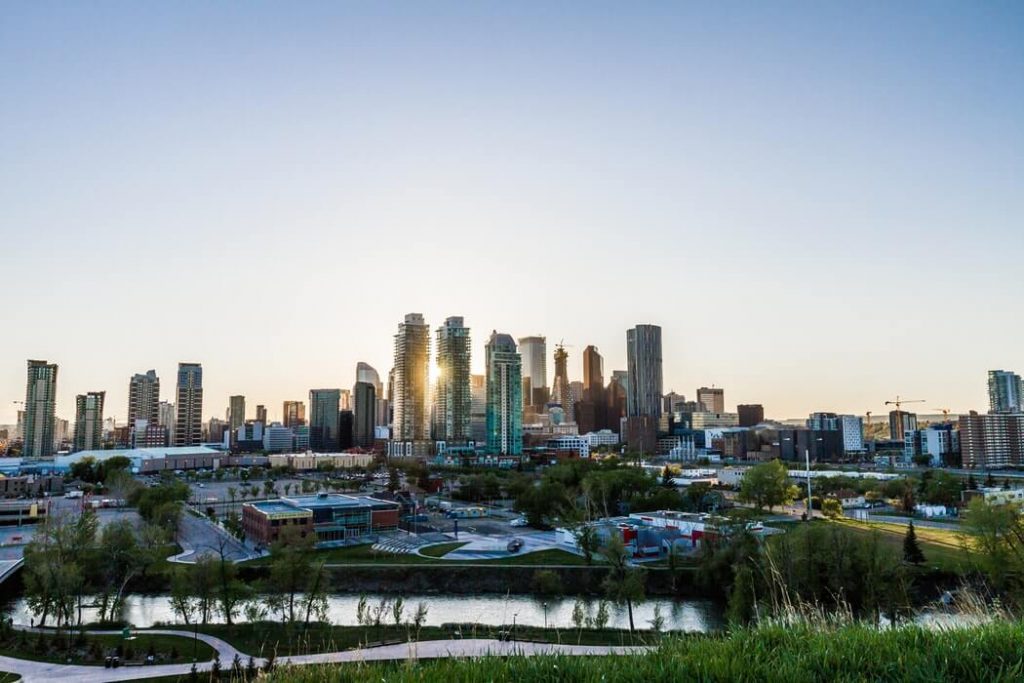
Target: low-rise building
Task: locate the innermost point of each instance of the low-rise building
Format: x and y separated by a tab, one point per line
304	462
334	518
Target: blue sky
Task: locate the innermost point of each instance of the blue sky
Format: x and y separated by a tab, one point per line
821	203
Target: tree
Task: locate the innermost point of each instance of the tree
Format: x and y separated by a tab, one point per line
624	584
996	533
120	561
767	485
184	604
203	582
831	508
911	549
394	479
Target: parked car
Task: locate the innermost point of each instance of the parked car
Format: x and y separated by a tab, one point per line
518	522
515	545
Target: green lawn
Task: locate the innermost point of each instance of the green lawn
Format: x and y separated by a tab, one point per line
264	638
46	647
441	549
941	547
772	653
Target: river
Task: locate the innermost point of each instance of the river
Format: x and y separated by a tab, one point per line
703	616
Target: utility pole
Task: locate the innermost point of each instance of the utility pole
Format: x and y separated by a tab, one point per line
807	458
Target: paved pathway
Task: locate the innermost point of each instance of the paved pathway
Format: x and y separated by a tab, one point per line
430	649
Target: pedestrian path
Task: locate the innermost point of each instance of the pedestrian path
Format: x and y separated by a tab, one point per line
431	649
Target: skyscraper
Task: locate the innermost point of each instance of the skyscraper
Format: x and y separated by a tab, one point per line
1004	392
346	400
713	399
166	416
365	394
750	414
412	380
561	392
504	396
452	398
188	422
324	406
478	408
534	351
293	414
261	413
40	404
900	421
144	398
89	421
593	374
236	413
590	410
643	356
366	373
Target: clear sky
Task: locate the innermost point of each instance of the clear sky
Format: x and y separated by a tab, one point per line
821	203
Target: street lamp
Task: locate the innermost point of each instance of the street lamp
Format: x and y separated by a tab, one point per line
807	456
545	615
514	615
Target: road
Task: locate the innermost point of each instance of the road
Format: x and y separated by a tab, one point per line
199	536
431	649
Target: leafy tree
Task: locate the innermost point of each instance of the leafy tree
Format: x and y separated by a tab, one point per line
120	560
911	549
767	485
997	535
183	602
832	508
624	584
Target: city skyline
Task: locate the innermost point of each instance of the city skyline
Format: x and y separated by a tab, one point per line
784	164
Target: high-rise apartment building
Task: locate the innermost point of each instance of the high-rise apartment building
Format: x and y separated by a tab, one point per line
366	373
534	351
478	408
504	395
852	428
365	414
166	416
1004	392
644	386
324	406
89	421
236	413
452	397
900	422
992	441
144	398
40	407
616	401
412	380
346	400
293	414
751	414
712	398
188	421
261	413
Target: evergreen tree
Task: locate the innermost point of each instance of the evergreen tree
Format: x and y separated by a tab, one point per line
911	550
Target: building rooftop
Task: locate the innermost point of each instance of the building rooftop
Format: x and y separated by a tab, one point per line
275	506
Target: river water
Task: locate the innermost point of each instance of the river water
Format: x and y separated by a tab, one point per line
702	616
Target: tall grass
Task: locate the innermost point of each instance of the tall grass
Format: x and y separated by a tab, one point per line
772	652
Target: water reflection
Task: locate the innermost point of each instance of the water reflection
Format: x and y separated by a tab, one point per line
688	615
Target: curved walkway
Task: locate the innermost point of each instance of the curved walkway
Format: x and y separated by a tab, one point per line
430	649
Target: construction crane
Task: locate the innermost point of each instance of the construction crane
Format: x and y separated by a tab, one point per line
945	413
869	418
900	401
